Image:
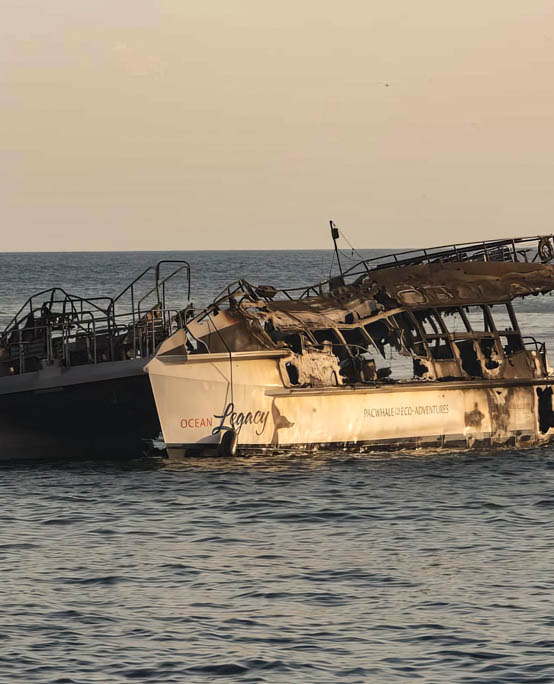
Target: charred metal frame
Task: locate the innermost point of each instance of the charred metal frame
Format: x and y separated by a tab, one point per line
356	314
535	249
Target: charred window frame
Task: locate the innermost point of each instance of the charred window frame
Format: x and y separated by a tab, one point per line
480	320
503	341
462	340
357	339
488	320
512	315
456	322
488	340
355	366
492	340
411	337
505	309
428	322
435	336
382	333
340	348
509	338
326	335
296	341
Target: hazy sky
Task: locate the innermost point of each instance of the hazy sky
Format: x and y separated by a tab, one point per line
173	124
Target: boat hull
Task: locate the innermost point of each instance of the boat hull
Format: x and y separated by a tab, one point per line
197	402
86	411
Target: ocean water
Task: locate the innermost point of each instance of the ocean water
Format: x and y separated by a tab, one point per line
291	568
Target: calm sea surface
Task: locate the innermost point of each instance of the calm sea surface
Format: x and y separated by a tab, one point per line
294	568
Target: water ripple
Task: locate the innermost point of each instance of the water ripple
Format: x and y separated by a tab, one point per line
372	570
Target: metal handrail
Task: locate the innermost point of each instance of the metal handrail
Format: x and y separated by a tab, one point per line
467	251
540	347
68	298
161	283
69	318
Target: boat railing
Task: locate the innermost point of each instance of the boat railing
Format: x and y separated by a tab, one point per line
539	248
56	325
535	345
137	297
57	295
539	348
521	249
68	341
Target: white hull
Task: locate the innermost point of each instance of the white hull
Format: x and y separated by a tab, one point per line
197	401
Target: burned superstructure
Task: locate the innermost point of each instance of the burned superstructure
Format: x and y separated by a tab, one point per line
455	318
448	310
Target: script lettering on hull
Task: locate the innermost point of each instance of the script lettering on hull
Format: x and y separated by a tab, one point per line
234	420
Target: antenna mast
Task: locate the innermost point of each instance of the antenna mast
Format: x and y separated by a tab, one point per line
335	236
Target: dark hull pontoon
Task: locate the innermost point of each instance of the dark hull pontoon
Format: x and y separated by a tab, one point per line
102	411
72	380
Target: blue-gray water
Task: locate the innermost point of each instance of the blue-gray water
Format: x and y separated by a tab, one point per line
296	568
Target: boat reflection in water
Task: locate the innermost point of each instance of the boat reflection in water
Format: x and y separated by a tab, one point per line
268	368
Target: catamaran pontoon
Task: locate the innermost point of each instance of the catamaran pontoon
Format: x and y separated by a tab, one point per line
72	376
264	368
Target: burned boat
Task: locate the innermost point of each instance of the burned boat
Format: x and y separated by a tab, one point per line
264	367
72	378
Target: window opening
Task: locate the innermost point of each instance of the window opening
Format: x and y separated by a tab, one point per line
326	335
511	343
546	415
503	318
479	318
294	342
410	335
330	337
355	337
440	349
380	333
470	361
428	322
292	372
455	322
489	350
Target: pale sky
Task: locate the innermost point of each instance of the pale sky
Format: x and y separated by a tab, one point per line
173	124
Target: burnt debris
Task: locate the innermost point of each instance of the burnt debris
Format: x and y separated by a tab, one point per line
449	310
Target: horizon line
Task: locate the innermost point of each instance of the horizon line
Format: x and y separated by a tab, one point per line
234	249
